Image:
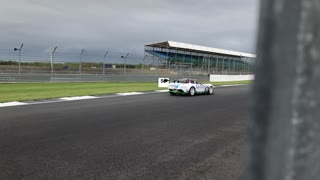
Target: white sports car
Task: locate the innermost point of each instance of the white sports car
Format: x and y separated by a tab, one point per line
189	87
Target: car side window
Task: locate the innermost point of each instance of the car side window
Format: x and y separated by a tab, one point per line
192	82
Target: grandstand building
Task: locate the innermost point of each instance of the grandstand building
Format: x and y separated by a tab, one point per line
173	55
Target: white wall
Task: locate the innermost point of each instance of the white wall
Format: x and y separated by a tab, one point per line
223	78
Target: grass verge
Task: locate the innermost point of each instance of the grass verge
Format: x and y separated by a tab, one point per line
230	83
35	91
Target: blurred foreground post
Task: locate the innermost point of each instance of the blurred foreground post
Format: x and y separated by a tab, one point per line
285	126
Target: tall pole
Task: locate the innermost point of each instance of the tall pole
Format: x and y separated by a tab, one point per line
104	62
202	62
222	65
176	62
167	55
19	49
52	56
144	58
19	61
125	63
241	65
217	59
208	64
198	61
80	64
228	66
191	62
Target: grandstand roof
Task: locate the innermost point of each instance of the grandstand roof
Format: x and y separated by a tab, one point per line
197	48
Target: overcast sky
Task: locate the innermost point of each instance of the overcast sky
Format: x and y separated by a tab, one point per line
126	25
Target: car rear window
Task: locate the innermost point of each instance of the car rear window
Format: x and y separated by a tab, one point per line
181	81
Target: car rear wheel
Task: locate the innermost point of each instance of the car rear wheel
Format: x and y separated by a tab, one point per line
192	91
211	91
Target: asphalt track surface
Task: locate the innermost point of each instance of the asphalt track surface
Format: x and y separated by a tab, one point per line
151	136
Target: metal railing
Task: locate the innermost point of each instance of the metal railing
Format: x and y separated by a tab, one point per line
57	61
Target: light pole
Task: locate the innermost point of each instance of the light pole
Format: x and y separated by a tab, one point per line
144	58
52	56
241	64
80	64
104	62
125	63
19	49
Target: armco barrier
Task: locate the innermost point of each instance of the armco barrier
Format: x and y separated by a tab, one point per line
224	78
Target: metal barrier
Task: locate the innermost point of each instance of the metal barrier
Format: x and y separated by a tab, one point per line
87	78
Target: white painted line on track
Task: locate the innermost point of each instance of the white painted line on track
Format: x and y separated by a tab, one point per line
64	99
59	101
77	98
232	85
130	93
165	90
14	103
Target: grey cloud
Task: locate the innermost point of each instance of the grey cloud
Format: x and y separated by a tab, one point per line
127	25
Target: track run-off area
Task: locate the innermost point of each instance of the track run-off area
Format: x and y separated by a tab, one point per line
143	136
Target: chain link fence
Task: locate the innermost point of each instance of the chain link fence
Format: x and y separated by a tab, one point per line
53	64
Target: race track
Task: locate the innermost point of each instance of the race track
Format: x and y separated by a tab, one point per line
150	136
